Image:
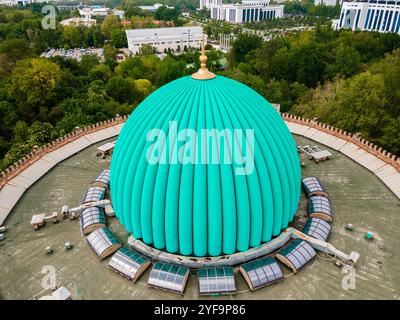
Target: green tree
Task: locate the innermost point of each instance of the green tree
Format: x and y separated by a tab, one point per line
118	38
144	87
71	120
242	45
361	105
319	102
347	61
71	36
34	80
110	55
169	69
389	68
132	67
6	66
122	90
310	61
15	49
25	138
109	24
390	137
146	50
87	63
8	118
166	14
251	80
94	36
100	72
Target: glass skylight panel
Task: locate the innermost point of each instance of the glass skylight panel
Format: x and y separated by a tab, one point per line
94	194
296	254
320	204
91	217
103	242
168	277
103	179
129	263
219	280
317	228
312	185
261	272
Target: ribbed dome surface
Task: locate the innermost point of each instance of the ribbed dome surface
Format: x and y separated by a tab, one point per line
205	209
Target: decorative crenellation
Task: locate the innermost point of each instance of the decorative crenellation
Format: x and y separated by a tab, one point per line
39	152
355	138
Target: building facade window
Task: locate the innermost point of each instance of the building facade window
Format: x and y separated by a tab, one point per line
371	19
367	19
380	20
398	23
232	15
394	21
357	18
376	19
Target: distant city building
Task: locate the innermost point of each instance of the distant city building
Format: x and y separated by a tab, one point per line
78	22
164	38
10	3
154	7
100	11
374	15
327	2
206	4
248	10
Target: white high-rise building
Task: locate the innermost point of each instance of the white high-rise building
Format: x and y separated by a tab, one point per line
164	38
372	15
207	3
248	10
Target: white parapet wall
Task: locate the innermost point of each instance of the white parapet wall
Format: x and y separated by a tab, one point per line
33	167
380	162
20	176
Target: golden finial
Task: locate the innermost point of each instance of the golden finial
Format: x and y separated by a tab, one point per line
203	73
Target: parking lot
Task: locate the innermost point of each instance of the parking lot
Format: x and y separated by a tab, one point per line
76	53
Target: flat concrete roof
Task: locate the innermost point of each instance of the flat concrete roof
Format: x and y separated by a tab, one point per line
358	197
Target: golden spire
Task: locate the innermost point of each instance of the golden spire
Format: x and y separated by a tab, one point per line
203	73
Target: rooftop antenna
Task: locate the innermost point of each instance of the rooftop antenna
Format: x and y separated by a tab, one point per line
203	73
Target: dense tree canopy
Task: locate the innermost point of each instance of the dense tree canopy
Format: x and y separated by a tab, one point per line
308	7
348	79
42	99
367	103
339	77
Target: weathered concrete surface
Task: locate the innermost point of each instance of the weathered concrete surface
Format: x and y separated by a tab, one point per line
11	192
358	197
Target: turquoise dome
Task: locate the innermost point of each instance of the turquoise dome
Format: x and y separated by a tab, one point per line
205	209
